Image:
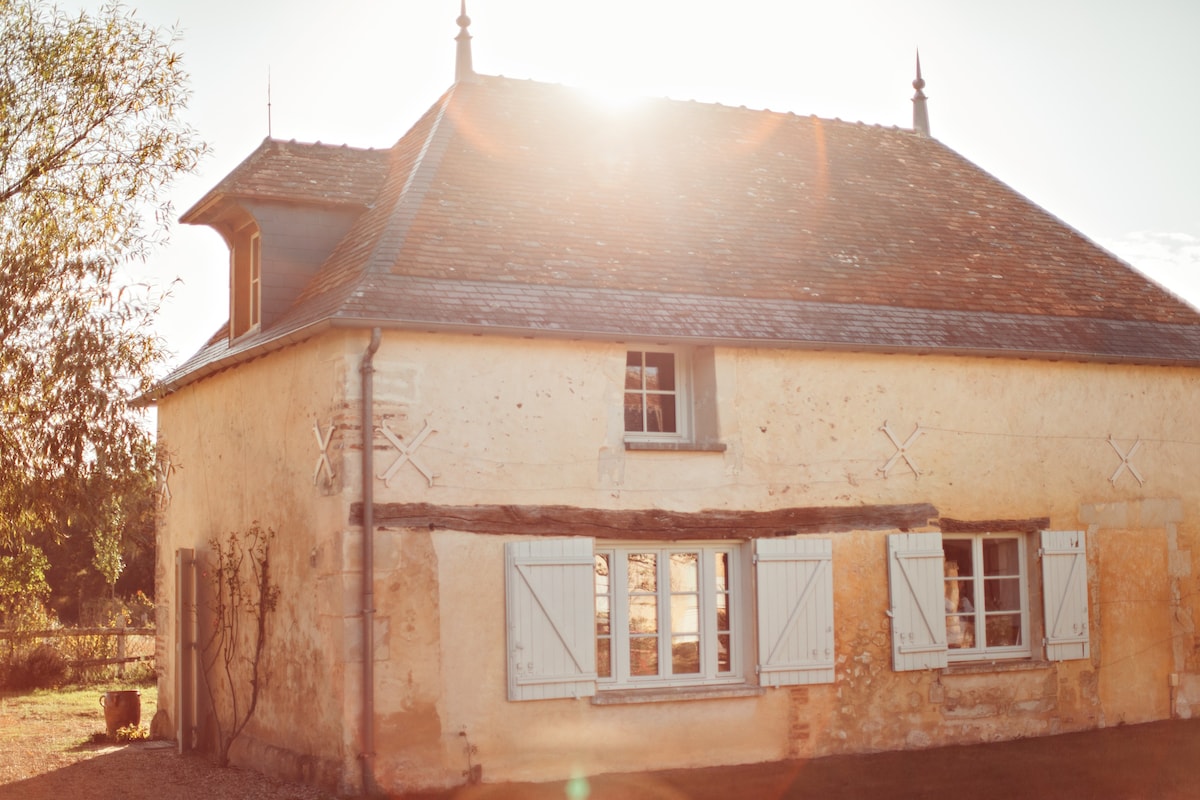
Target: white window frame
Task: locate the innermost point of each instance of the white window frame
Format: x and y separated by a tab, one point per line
683	396
255	298
620	676
245	281
985	652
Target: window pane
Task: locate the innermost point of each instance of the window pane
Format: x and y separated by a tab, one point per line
633	370
722	572
660	372
723	657
643	572
1004	630
634	418
685	613
602	573
958	597
660	413
603	625
685	572
723	612
1001	557
604	658
643	614
685	655
1002	594
960	631
643	657
958	557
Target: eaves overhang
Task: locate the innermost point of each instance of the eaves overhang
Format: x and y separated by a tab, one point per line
734	322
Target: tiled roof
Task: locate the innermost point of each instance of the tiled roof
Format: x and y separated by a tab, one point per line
299	172
522	206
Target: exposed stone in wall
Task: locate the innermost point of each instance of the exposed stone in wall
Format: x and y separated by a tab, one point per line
409	729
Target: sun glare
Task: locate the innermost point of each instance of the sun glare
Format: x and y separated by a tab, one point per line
611	98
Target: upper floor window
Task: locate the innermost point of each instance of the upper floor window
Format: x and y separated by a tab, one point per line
245	274
655	395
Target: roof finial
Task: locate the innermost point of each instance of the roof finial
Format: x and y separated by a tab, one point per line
920	112
463	71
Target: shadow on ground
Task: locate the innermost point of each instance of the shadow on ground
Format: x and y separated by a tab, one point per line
1158	760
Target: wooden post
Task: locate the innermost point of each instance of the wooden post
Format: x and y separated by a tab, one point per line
121	648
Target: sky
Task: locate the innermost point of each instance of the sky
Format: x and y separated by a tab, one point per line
1090	108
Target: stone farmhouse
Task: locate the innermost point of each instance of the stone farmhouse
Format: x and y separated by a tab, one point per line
686	435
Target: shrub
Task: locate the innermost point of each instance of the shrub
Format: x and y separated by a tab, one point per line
44	667
133	733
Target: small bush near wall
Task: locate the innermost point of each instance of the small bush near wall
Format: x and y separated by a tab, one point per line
43	667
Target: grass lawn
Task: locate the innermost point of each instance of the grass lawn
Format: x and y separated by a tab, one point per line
59	724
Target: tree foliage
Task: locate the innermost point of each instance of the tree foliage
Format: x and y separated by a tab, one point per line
23	586
90	140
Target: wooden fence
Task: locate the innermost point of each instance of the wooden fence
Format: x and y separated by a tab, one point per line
124	653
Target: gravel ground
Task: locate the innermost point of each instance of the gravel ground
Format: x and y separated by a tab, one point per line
52	747
144	771
46	753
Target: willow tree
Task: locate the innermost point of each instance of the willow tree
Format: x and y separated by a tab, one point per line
90	141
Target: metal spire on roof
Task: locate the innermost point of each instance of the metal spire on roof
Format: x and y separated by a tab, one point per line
920	111
463	71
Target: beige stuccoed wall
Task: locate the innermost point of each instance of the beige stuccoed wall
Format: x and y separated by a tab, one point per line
521	421
243	449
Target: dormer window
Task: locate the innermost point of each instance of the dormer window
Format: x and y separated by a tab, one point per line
245	291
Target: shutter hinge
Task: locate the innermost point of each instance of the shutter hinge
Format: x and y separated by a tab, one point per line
758	669
1041	552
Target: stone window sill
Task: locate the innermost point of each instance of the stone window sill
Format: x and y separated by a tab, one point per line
677	447
613	697
989	667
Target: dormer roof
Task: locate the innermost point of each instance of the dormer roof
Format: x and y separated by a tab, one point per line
295	172
524	207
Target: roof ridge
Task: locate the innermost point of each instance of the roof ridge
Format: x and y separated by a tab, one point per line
395	230
710	103
344	273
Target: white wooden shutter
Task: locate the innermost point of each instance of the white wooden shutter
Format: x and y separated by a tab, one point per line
795	611
551	619
916	583
1064	594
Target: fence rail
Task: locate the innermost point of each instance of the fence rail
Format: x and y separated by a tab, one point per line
121	634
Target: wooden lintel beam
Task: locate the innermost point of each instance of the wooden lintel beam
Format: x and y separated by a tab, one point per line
648	523
1032	525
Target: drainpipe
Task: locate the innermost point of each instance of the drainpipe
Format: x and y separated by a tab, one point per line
368	564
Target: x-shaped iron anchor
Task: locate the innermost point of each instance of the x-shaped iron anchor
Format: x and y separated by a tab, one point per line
901	450
323	462
1126	464
165	468
406	454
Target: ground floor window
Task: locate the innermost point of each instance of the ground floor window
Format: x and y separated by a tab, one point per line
986	596
666	614
586	616
966	596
